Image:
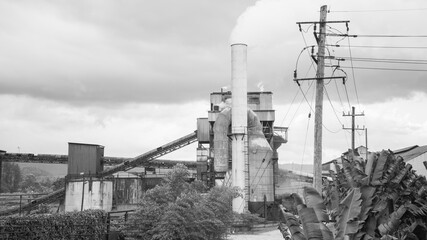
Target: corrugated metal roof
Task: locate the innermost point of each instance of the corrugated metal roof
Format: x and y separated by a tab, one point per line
411	152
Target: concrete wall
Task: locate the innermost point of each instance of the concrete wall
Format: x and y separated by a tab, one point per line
97	196
127	190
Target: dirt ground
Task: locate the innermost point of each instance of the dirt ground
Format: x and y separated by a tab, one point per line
264	235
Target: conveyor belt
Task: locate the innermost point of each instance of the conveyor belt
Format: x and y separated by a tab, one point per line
153	154
52	197
108	161
127	165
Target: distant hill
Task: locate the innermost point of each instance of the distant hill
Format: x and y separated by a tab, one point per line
37	172
307	168
43	170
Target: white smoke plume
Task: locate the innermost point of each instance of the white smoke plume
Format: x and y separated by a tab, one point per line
260	86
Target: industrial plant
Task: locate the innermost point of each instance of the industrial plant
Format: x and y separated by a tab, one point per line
236	146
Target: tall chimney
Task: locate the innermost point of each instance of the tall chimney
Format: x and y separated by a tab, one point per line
239	120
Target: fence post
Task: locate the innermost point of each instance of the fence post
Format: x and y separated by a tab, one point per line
108	225
265	206
20	204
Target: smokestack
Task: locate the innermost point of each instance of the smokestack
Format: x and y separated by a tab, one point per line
239	120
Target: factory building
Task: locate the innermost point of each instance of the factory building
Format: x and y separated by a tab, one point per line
214	153
237	146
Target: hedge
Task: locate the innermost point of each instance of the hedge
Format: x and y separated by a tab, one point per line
89	224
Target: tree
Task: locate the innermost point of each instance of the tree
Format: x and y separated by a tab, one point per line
30	184
10	177
378	199
58	184
177	209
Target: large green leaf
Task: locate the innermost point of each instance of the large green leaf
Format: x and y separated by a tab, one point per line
347	172
347	220
367	197
313	228
372	158
299	204
293	225
391	168
393	222
314	200
379	168
401	174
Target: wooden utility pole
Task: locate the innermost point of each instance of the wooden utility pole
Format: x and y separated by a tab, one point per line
366	142
320	76
318	117
353	125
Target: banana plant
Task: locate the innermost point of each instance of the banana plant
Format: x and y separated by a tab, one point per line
381	198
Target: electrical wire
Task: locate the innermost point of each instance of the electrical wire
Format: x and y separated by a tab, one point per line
333	108
327	129
384	60
375	35
262	175
348	99
296	94
306	45
380	10
390	69
305	141
352	71
311	84
308	28
336	87
368	46
330	30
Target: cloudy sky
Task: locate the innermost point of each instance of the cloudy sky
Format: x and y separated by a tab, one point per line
133	75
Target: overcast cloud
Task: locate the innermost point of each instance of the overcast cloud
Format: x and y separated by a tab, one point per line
132	75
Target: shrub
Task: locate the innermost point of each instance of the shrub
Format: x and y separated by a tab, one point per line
179	210
88	224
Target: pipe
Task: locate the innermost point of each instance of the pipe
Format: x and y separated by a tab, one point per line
239	121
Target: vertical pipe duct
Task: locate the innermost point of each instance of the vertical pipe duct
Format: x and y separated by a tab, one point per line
239	120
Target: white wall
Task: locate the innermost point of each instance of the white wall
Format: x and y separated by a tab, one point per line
417	164
100	196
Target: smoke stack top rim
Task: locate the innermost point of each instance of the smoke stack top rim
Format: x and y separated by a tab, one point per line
244	44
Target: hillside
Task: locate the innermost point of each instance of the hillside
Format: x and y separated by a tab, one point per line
46	170
306	168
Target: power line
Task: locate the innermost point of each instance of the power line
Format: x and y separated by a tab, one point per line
375	35
368	46
302	100
391	69
381	10
296	94
384	60
336	87
327	129
333	109
352	71
346	93
306	47
305	141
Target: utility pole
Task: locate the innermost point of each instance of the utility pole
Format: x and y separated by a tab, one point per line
320	76
318	115
366	142
353	125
